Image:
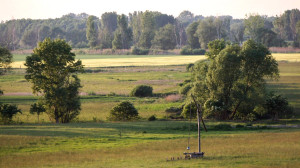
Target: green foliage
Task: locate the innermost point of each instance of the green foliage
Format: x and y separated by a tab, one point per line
117	42
138	51
252	25
142	91
123	34
185	88
189	67
29	38
37	108
109	23
277	106
189	110
192	40
206	32
52	70
125	111
198	52
285	25
187	50
165	38
91	31
152	118
232	81
147	30
237	31
5	60
7	112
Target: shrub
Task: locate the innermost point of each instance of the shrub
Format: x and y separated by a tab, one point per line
142	91
186	50
198	52
138	51
124	111
7	112
152	118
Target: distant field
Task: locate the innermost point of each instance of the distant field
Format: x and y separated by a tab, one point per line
123	60
144	60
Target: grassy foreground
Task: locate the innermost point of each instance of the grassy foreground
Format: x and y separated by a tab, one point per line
144	144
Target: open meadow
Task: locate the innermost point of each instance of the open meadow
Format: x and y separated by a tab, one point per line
92	141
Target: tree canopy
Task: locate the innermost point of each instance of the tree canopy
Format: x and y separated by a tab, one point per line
233	78
52	71
83	30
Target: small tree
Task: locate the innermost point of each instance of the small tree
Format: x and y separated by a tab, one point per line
5	60
7	112
37	108
277	107
142	91
124	111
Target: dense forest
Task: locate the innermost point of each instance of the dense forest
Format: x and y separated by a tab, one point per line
149	29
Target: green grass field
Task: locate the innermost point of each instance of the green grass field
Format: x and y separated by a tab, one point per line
91	141
144	144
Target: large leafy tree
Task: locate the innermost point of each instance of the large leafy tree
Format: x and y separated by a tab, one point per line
52	71
233	78
165	38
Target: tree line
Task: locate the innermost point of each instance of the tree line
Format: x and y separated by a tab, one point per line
150	29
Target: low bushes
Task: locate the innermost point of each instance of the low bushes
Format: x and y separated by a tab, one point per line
125	111
139	51
189	51
142	91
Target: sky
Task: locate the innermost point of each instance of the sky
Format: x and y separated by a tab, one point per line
44	9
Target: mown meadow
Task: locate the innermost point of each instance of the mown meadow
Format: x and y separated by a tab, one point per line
92	141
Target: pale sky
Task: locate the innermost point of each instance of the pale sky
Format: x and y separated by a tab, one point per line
44	9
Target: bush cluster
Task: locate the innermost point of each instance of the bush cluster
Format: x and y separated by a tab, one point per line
142	91
7	112
139	51
125	111
189	51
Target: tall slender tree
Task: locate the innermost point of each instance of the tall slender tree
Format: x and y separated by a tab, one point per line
91	31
